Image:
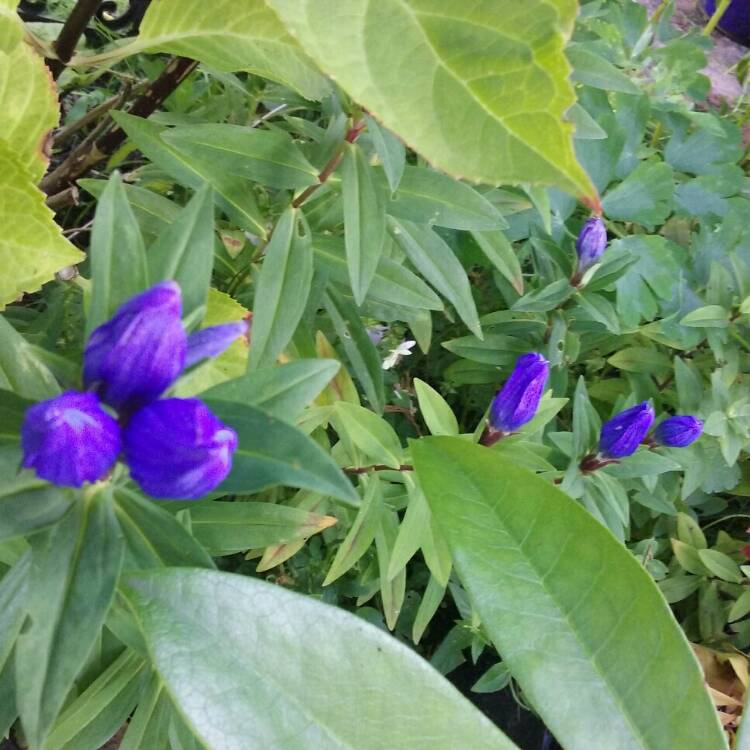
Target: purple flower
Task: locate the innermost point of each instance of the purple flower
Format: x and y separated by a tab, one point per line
517	402
178	449
624	432
679	432
69	439
133	358
210	342
591	243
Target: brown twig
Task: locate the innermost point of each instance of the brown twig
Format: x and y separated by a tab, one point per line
70	33
67	197
354	470
94	150
332	165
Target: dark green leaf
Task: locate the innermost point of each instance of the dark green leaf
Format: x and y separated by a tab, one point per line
645	195
21	370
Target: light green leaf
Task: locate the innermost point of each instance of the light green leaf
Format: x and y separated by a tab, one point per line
75	569
370	433
232	194
645	195
390	151
431	600
271	452
226	528
439	265
596	71
721	565
500	253
710	316
184	251
283	289
258	638
494	349
269	157
425	196
438	416
364	220
487	86
578	620
118	257
32	248
21	371
28	100
281	391
392	588
226	35
690	532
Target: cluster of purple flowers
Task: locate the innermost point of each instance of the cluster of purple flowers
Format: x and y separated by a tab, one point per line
175	448
518	400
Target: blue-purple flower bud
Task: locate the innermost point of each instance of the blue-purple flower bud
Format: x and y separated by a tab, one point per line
591	243
133	358
69	439
177	449
517	402
622	435
210	342
679	432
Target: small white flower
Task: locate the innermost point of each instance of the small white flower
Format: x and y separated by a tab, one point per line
395	355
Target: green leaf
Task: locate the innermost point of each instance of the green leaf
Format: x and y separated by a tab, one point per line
431	600
21	371
710	316
359	348
269	157
392	587
645	195
154	536
75	569
118	257
271	452
233	194
545	298
493	349
500	253
28	100
258	638
370	433
437	415
97	713
642	359
721	565
425	196
361	534
282	291
439	265
392	283
690	532
364	220
184	251
390	151
226	528
495	678
571	610
282	390
14	587
149	724
12	410
32	248
687	557
487	86
596	71
228	37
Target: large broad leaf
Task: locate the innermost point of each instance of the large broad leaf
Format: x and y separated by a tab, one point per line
272	452
259	648
487	86
227	35
32	248
579	622
73	577
28	100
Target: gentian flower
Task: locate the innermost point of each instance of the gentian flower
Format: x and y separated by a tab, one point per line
518	400
679	431
70	439
621	436
177	448
591	244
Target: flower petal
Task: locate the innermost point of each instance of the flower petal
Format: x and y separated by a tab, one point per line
178	449
210	342
70	439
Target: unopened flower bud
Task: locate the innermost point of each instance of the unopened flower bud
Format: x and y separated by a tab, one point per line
679	431
518	400
621	436
591	243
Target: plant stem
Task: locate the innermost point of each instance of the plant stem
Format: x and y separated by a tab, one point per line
92	151
70	33
716	17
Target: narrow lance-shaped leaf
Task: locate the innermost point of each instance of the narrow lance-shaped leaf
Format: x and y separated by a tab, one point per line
118	256
257	648
364	220
283	289
487	88
21	370
390	151
579	622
